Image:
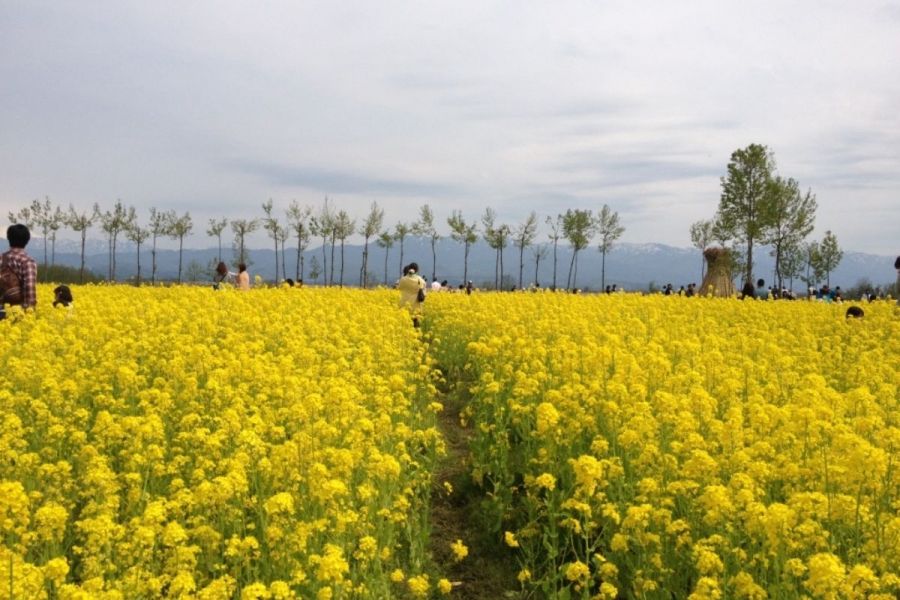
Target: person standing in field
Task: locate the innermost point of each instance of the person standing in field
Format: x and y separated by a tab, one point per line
243	278
897	287
18	271
222	275
412	292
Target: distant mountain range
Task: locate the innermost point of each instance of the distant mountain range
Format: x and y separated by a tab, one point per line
631	266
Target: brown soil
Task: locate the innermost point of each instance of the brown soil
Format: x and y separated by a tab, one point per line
489	570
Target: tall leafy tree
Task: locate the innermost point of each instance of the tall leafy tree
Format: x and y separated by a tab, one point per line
369	228
578	229
793	218
42	215
282	233
55	221
609	230
401	230
159	220
23	216
321	225
497	237
745	206
80	223
701	237
555	234
810	253
828	257
298	219
465	234
216	227
241	229
385	240
113	222
178	228
539	252
138	235
344	227
270	224
425	227
792	261
523	237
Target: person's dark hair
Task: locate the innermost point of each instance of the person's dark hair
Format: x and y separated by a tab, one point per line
748	291
289	281
854	312
412	267
760	282
222	269
62	295
18	235
242	267
897	263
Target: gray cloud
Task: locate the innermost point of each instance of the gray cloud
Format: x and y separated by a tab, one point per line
638	105
339	181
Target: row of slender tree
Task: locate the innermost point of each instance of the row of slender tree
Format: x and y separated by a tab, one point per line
759	206
756	206
306	223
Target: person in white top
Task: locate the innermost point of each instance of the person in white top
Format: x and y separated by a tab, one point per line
435	285
243	278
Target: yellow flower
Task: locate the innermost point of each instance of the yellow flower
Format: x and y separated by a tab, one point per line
460	551
510	538
444	586
578	571
418	586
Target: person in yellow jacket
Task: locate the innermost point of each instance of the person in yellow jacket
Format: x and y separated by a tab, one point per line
412	292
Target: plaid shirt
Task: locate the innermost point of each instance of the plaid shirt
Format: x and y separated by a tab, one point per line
25	267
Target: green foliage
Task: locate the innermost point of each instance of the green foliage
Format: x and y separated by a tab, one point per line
64	274
746	204
828	257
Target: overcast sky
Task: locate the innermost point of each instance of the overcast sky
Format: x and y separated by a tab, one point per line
214	107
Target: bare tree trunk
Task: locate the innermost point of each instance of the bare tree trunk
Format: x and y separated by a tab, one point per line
571	266
138	279
283	269
521	263
276	256
297	275
342	264
466	264
81	271
554	264
331	273
386	254
153	261
433	259
180	246
603	270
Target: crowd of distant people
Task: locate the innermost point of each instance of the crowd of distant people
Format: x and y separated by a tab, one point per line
18	280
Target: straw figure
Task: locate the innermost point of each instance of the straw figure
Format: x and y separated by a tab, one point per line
718	273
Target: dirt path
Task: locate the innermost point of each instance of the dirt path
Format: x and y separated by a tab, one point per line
489	570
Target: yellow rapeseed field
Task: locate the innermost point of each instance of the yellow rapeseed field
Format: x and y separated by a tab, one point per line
669	447
188	443
281	443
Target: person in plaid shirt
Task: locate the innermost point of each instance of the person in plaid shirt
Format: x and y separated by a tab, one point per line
21	264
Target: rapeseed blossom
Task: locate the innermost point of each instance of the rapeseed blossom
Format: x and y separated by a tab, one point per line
703	447
181	441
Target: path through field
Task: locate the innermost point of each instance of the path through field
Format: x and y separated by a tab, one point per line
489	571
